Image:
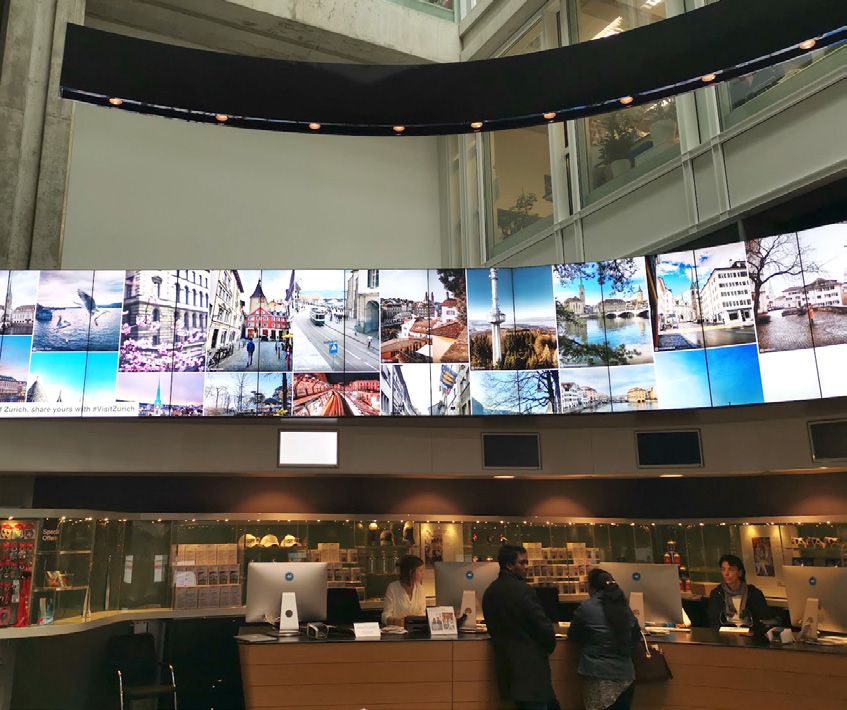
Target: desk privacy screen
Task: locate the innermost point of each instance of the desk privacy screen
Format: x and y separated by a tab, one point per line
742	323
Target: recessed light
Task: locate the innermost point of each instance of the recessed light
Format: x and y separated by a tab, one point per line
709	77
503	476
117	102
808	44
476	125
315	126
549	116
399	129
222	117
670	475
627	100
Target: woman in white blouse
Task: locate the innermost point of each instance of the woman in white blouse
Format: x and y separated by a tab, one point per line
405	597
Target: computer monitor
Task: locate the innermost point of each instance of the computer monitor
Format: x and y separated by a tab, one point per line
454	578
266	581
826	584
658	583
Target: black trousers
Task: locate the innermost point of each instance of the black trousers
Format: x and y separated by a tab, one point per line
550	705
624	701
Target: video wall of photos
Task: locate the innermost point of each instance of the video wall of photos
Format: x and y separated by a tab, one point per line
742	323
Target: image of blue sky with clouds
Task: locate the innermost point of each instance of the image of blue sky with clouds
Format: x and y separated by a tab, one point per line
532	291
479	297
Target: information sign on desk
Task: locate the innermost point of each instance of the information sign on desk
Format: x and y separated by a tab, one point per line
442	621
367	631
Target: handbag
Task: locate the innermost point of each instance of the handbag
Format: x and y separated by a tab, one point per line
650	663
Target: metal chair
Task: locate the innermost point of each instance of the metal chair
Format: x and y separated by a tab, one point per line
133	657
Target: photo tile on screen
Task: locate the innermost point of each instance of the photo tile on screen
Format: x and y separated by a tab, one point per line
451	389
149	392
272	397
824	255
833	375
625	311
726	301
362	393
405	390
633	388
99	397
269	321
105	305
584	390
230	344
580	325
539	391
231	394
791	375
494	392
682	379
4	289
320	394
14	372
406	315
491	317
532	345
21	293
734	375
449	326
317	321
774	265
63	312
360	320
677	312
55	384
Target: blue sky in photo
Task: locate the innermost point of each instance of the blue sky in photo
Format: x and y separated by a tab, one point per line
24	285
274	284
100	376
681	379
320	282
639	278
719	257
482	382
479	295
59	373
734	375
14	355
595	377
677	270
827	246
58	289
533	294
410	284
249	279
109	287
625	377
571	288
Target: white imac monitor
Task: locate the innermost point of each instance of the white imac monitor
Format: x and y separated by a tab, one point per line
266	581
826	584
452	579
658	583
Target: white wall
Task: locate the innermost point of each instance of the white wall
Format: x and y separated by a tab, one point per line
147	192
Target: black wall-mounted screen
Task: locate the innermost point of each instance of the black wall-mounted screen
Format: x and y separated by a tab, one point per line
511	451
669	448
829	440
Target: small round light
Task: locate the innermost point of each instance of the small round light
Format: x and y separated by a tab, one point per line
709	77
549	116
315	126
627	100
115	101
222	117
476	125
399	129
808	44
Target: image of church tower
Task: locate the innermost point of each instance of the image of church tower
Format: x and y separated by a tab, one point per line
258	299
496	319
6	316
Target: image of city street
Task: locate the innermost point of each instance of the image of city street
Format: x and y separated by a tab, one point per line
317	323
726	302
799	288
336	395
677	310
405	390
17	305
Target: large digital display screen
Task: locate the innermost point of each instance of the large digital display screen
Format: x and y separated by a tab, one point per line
742	323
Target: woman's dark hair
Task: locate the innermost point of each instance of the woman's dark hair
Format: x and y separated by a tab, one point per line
734	561
408	565
615	604
508	555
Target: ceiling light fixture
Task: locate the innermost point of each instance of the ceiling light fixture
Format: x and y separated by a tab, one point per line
399	129
549	116
221	117
476	125
315	126
808	44
117	102
626	100
709	77
504	476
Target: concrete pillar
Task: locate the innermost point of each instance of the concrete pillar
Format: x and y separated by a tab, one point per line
36	137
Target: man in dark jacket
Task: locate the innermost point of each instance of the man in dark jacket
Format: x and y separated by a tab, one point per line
735	601
522	634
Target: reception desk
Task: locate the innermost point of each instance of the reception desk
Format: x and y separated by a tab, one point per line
711	670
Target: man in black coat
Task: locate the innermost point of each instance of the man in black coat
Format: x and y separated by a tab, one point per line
522	634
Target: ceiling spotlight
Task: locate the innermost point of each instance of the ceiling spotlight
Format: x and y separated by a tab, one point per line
808	44
549	116
709	77
626	100
476	125
315	126
504	477
117	102
399	129
222	117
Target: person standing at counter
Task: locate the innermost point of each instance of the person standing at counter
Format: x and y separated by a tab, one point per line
607	628
405	597
522	634
735	602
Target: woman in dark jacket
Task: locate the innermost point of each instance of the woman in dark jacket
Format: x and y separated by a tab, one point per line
607	628
735	602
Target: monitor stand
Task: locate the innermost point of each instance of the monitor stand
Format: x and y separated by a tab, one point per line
468	610
288	621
